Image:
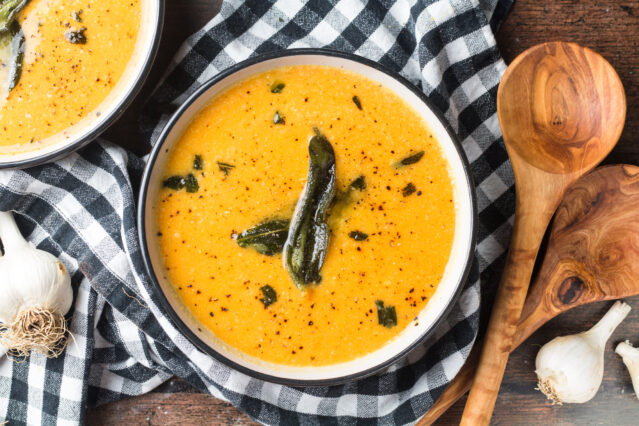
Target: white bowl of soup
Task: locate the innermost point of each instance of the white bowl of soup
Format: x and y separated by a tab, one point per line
70	68
228	193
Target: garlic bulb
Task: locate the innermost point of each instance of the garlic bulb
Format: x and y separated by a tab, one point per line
36	294
570	368
630	357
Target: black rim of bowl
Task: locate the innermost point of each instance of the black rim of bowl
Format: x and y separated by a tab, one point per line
115	113
165	305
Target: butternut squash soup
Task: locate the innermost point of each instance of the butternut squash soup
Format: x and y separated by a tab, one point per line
306	216
60	61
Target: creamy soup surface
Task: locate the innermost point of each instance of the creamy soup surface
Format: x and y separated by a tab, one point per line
65	77
252	147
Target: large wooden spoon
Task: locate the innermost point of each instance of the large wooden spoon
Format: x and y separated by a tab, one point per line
561	108
592	255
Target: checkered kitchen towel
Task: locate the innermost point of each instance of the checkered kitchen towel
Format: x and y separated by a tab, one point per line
82	209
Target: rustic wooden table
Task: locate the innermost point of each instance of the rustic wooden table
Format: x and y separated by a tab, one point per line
611	27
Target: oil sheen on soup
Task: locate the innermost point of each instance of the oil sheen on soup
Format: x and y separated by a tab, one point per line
244	161
72	56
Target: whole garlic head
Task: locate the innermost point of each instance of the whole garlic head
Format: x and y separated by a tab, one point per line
570	368
36	294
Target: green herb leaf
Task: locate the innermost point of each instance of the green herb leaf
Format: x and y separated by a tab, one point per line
386	315
174	182
344	198
358	236
359	183
307	240
225	167
76	15
408	189
8	12
190	183
12	45
198	163
278	119
76	36
266	238
411	159
357	102
270	296
277	87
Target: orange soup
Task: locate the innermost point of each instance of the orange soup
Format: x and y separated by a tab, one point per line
74	53
244	162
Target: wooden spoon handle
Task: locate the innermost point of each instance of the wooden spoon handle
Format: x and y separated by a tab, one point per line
530	322
530	226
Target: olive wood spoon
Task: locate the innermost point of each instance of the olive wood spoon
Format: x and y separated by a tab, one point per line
561	108
592	255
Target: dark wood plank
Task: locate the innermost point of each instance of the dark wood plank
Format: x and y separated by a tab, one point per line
611	27
174	403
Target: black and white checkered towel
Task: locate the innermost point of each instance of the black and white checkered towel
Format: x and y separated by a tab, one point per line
82	209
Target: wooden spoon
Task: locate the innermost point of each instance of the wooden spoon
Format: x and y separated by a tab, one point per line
592	255
561	108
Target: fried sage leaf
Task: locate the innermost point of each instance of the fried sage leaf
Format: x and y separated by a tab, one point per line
225	167
198	162
409	189
277	87
190	183
76	36
174	182
270	296
357	102
344	197
386	315
178	182
411	159
307	240
12	44
8	12
278	118
359	183
266	238
358	235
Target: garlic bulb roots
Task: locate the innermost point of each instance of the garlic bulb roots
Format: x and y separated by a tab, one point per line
570	368
630	357
37	293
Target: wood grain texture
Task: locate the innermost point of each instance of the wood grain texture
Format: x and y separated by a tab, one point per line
610	27
561	109
173	403
595	233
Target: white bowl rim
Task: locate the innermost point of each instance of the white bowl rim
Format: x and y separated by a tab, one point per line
156	288
115	111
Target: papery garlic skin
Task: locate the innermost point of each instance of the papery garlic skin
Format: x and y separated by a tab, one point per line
31	277
570	368
630	357
36	293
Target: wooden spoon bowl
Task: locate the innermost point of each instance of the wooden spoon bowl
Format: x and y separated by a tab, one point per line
592	255
561	108
572	110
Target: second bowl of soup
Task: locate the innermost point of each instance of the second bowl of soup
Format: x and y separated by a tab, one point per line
307	217
69	68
